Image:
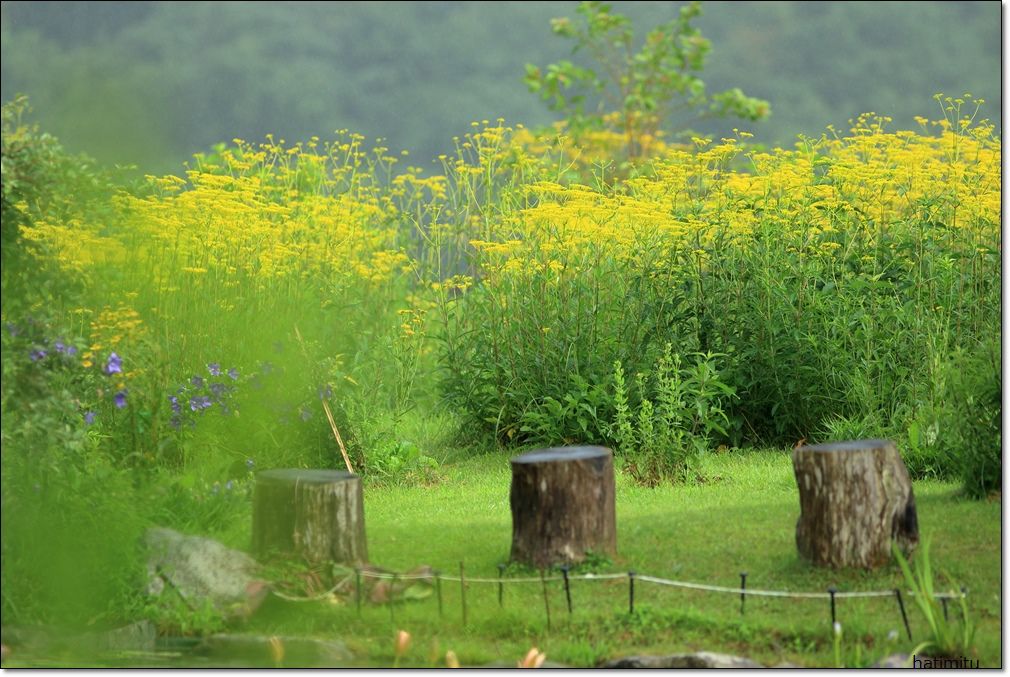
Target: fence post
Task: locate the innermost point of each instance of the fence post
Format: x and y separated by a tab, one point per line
831	591
462	589
547	604
392	592
501	572
743	588
904	616
357	588
568	592
438	590
631	592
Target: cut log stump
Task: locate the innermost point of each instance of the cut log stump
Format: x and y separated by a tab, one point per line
315	514
855	498
562	502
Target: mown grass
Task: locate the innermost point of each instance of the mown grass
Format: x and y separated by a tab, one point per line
742	518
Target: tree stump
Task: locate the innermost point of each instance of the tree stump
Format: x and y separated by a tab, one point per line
562	502
316	514
855	498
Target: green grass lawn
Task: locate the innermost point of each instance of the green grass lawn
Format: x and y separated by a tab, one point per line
742	518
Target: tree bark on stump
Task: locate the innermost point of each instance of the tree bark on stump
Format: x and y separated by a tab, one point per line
562	502
855	498
316	514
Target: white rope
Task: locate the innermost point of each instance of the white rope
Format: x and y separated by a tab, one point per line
753	592
316	598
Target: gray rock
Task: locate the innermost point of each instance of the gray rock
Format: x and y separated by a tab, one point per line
202	569
701	659
257	649
897	660
139	636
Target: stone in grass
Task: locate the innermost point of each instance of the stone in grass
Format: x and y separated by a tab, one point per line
694	661
202	570
900	661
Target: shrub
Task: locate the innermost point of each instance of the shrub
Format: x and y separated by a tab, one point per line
679	408
971	424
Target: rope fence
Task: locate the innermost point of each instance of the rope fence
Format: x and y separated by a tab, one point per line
831	594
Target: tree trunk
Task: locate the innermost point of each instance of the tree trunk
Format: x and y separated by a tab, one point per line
563	505
316	514
855	498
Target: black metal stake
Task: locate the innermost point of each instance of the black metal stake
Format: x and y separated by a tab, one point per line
831	591
568	591
462	591
357	588
943	602
438	590
631	592
547	604
904	616
743	588
501	572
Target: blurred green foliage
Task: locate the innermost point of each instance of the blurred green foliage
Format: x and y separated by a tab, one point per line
634	93
151	83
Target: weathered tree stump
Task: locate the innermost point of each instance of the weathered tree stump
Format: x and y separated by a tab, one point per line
316	514
562	505
855	498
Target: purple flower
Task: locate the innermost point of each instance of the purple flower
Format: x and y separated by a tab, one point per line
64	348
174	401
218	390
305	414
120	399
326	392
233	374
249	463
229	485
214	368
37	355
89	417
199	402
114	365
197	381
12	329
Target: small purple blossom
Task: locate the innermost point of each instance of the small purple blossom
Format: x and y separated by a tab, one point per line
114	365
305	414
233	374
89	417
174	402
325	392
199	402
120	399
250	464
197	381
37	355
64	348
218	390
214	368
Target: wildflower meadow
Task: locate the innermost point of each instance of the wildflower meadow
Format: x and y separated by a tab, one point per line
700	305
